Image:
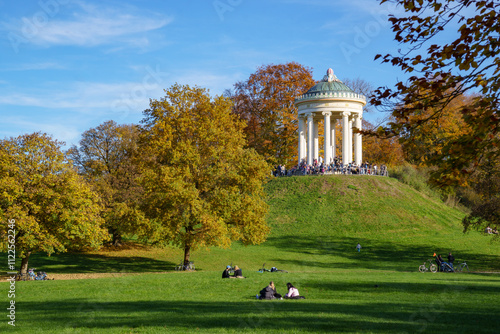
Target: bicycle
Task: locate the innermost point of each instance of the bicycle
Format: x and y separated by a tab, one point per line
461	266
428	266
184	267
272	270
28	276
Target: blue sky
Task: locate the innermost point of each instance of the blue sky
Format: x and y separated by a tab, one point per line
67	66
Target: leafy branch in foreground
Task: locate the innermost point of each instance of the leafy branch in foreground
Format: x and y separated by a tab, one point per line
467	65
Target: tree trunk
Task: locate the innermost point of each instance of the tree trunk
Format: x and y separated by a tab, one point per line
187	254
117	238
24	263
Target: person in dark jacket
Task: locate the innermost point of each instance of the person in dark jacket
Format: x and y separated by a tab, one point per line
451	258
269	292
439	262
237	272
225	273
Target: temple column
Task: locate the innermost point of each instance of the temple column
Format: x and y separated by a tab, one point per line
310	140
350	139
333	143
302	139
358	150
316	140
345	137
327	150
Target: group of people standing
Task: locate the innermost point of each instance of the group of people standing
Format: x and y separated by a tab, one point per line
336	167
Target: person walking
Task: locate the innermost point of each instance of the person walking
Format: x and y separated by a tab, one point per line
358	247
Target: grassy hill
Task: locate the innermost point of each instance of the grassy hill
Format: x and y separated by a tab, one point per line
316	223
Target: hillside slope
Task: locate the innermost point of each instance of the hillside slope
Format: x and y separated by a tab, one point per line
316	223
394	223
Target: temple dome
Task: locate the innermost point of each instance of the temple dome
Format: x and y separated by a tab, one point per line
330	83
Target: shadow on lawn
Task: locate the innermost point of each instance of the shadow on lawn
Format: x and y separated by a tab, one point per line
373	255
75	263
282	316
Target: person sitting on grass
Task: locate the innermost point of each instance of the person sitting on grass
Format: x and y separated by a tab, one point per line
293	293
269	292
225	273
237	273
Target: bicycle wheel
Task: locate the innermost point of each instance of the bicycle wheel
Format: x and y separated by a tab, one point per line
178	268
466	267
433	268
422	268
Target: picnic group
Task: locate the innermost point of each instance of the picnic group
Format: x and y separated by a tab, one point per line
268	292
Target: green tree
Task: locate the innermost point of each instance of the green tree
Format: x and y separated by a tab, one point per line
53	208
266	102
485	205
202	187
441	73
107	159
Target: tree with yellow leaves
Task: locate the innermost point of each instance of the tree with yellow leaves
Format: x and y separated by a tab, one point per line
201	186
52	208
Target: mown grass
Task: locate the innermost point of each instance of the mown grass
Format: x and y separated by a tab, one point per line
316	223
340	301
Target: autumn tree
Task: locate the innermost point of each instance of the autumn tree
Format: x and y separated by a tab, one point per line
440	73
266	103
202	187
485	205
53	208
426	142
106	158
387	151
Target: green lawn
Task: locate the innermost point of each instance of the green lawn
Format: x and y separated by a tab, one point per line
316	223
342	301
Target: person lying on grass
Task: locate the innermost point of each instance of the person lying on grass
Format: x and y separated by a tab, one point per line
293	293
269	292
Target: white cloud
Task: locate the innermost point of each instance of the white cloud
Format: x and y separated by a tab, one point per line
90	26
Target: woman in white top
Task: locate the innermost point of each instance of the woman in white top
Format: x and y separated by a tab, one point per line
293	293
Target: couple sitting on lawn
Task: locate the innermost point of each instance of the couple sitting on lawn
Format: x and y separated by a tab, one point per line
269	292
237	273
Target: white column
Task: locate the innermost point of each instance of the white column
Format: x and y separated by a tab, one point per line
345	137
358	147
328	143
333	143
302	144
350	139
316	141
310	139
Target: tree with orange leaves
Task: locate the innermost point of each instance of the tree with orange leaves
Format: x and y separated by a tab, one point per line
266	102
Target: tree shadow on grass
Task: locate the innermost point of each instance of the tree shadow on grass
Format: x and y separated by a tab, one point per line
283	316
373	255
75	263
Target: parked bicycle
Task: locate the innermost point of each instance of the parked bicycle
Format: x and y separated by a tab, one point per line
428	265
183	267
272	270
461	266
